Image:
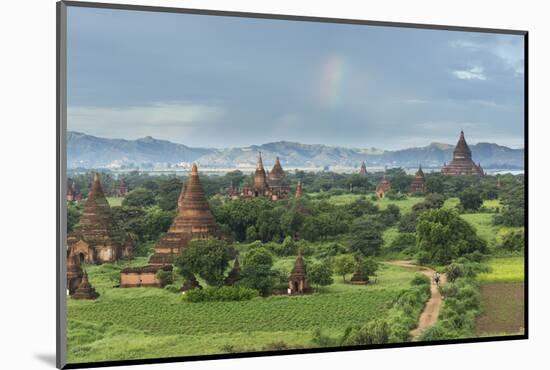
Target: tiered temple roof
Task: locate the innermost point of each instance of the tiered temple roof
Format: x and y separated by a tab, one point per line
194	220
277	175
297	280
85	289
462	163
260	178
419	183
363	170
95	239
272	185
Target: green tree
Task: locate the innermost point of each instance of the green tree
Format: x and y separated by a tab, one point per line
366	266
344	264
320	273
435	183
168	193
513	241
156	221
139	197
206	258
443	235
365	237
256	272
470	199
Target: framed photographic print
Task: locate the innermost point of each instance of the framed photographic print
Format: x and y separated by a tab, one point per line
236	184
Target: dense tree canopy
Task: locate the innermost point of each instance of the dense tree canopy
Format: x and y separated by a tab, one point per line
443	235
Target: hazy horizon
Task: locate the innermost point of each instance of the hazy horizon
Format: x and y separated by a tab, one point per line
223	82
297	142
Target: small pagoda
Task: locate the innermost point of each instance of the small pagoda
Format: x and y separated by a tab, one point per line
235	274
359	277
96	239
363	170
383	187
419	183
74	273
462	163
85	289
297	283
194	220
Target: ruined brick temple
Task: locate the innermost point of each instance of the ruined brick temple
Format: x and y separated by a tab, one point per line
297	283
383	187
96	239
419	183
462	163
272	185
194	220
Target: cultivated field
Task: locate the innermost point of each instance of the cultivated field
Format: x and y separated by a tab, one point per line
150	322
502	306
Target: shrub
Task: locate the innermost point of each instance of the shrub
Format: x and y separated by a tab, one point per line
420	279
376	331
513	241
172	288
403	241
225	293
165	277
275	346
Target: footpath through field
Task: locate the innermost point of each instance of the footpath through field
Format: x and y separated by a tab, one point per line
429	316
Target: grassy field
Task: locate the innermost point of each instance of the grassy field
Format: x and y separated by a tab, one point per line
115	201
502	307
150	322
504	270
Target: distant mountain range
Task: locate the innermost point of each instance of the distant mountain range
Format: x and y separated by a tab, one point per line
87	151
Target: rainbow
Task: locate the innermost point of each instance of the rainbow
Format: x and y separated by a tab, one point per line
332	76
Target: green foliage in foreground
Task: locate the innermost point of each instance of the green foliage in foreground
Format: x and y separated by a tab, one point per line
148	322
460	308
401	318
218	294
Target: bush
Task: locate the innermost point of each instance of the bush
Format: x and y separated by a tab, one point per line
376	331
513	241
225	293
420	279
165	277
403	241
172	288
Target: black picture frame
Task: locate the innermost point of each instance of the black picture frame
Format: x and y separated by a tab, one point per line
61	189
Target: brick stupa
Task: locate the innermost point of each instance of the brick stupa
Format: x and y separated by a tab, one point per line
85	289
462	163
194	220
297	280
74	273
419	183
383	187
95	239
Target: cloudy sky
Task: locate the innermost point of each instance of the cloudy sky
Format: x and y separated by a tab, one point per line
223	82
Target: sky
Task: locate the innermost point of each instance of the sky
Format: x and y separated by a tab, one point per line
210	81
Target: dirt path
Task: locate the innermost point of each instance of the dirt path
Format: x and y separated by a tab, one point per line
428	317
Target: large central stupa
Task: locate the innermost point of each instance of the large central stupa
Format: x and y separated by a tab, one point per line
194	220
462	163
